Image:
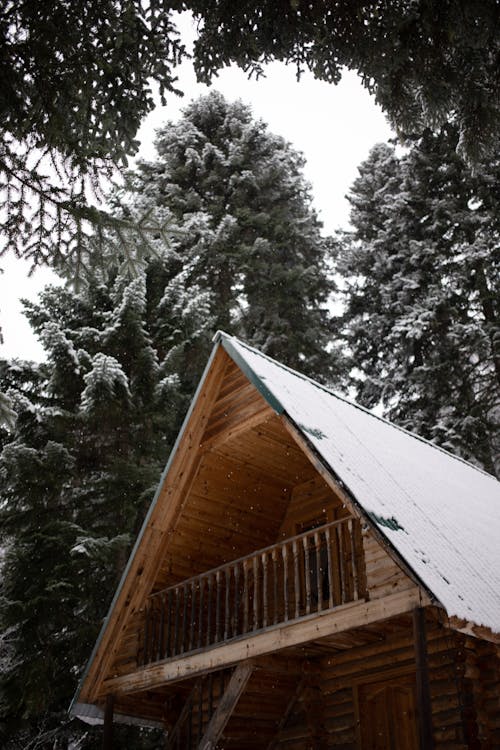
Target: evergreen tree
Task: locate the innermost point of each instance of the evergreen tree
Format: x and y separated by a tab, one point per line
77	475
76	84
421	273
96	422
247	233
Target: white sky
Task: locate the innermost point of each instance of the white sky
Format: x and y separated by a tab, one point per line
334	126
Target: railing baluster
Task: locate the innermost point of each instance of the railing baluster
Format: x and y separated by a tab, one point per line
255	593
236	599
217	606
200	623
209	608
176	626
307	573
284	553
330	567
182	633
226	612
296	577
159	653
169	624
192	616
146	633
319	573
274	557
340	548
264	590
246	595
354	561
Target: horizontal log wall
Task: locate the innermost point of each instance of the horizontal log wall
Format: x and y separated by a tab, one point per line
482	693
383	574
456	698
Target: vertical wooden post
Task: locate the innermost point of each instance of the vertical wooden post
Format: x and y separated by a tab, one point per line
423	690
107	735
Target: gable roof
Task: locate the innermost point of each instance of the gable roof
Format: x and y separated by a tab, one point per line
440	513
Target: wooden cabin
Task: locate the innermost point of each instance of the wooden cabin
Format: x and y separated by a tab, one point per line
308	576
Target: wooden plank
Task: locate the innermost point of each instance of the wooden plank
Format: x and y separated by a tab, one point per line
235	429
226	705
275	638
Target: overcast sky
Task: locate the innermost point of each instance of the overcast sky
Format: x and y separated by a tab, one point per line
334	126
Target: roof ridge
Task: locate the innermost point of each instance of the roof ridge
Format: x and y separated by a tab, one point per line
223	335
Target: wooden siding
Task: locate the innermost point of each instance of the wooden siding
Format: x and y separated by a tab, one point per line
464	678
383	575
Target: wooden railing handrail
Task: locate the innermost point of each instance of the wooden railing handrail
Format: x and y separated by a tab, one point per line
251	555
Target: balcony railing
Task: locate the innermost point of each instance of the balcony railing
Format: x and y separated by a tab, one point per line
312	572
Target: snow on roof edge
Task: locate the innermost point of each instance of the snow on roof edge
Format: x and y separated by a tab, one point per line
225	337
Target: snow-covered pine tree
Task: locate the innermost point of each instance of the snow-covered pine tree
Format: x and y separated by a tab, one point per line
97	420
249	236
77	474
422	282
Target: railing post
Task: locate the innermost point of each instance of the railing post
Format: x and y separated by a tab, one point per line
307	573
284	553
217	605
274	556
354	563
226	603
296	577
341	564
330	568
319	578
246	594
236	599
264	590
255	592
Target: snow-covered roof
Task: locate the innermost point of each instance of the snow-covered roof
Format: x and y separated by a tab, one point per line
440	513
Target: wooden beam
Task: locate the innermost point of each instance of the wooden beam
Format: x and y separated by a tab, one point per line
107	735
226	706
277	637
423	689
263	414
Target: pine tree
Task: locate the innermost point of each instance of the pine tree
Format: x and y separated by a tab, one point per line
247	233
422	320
96	422
77	474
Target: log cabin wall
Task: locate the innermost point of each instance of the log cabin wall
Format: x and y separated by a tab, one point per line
383	575
481	677
464	675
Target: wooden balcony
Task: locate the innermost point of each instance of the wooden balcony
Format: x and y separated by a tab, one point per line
297	578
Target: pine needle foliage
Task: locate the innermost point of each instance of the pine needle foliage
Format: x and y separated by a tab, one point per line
76	84
422	289
78	78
